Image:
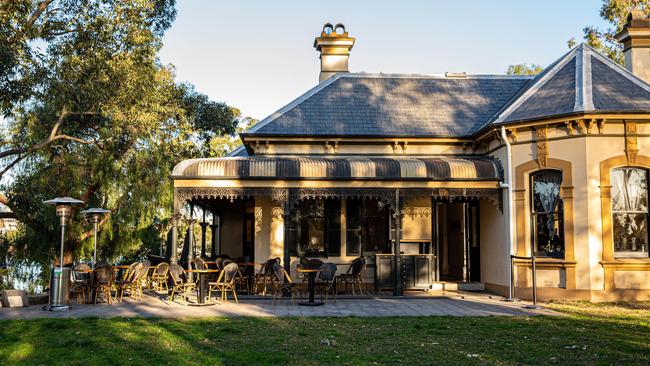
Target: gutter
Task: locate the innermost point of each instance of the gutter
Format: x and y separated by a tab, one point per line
508	186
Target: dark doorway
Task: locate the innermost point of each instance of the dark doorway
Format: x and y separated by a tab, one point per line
457	241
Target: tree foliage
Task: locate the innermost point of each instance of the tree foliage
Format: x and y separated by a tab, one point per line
524	69
90	112
615	12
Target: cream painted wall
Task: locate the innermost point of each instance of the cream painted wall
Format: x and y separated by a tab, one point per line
495	259
585	154
417	224
269	230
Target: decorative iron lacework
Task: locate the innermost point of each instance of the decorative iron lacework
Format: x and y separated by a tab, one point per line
292	196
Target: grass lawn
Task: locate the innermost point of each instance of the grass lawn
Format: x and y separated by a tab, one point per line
586	334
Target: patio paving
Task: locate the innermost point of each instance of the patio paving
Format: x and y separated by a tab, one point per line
155	306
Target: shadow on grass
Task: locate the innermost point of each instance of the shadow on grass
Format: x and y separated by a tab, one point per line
578	338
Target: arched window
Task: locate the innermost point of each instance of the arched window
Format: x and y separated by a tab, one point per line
547	213
630	212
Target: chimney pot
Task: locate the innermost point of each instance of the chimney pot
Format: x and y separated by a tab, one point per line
635	38
334	46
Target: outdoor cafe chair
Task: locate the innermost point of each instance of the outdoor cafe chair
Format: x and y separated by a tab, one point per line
145	276
130	283
307	263
179	286
80	281
102	282
198	263
283	283
265	276
354	275
226	282
159	277
327	280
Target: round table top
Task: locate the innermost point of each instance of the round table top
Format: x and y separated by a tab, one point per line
202	270
309	270
125	266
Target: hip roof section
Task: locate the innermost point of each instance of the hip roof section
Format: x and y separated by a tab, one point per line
385	105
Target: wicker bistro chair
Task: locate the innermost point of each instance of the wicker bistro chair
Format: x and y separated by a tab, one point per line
354	275
265	277
80	282
102	283
283	283
326	281
179	287
130	283
145	277
198	263
226	282
159	277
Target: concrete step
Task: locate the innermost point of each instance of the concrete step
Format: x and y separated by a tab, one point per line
459	286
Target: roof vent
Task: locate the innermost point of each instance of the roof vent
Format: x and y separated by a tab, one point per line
456	75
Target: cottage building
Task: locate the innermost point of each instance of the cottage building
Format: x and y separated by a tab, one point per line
440	180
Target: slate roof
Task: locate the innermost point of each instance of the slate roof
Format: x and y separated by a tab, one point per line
385	105
581	81
393	105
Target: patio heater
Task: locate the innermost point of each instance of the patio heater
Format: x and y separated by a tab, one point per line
95	215
57	290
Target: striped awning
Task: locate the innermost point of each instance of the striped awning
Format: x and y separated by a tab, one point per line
341	168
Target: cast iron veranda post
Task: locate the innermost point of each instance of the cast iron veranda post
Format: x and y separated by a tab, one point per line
397	274
215	227
204	228
286	216
174	252
190	254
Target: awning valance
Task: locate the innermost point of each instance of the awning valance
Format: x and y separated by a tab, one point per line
437	168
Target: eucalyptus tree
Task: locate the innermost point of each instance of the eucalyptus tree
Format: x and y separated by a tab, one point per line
91	112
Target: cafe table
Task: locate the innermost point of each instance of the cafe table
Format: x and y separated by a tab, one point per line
203	285
311	285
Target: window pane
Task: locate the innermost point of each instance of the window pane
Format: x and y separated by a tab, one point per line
546	190
333	218
312	228
353	221
629	190
631	233
375	228
548	235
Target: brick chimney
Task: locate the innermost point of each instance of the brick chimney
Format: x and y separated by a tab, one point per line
334	46
635	37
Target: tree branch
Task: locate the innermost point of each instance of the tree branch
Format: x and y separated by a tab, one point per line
54	136
42	6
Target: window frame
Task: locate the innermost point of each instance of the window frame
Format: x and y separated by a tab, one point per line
630	254
558	216
331	228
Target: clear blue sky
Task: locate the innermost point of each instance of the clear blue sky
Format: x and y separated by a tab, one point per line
258	55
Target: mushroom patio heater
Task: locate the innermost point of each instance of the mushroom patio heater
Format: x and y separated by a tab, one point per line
59	279
95	215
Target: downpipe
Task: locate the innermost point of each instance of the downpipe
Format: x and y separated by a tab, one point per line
508	186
